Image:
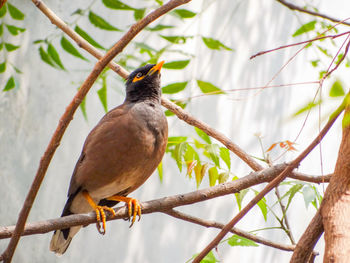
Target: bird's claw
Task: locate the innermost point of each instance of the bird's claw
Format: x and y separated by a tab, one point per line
101	218
134	209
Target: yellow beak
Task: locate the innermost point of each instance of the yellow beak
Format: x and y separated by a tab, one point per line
156	67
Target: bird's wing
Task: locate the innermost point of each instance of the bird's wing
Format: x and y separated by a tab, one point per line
93	142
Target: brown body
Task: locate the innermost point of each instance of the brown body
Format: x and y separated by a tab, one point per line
134	142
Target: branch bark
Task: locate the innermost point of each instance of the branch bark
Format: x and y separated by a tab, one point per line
335	209
304	247
68	116
313	13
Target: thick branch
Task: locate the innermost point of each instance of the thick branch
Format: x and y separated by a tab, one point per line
237	231
308	240
271	185
313	13
68	116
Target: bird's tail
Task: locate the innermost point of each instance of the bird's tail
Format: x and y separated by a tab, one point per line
62	238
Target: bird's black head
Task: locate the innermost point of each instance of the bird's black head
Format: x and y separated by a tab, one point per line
144	83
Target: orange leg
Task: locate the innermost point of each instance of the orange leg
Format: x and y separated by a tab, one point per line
133	204
100	213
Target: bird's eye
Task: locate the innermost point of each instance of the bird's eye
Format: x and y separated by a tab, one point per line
138	75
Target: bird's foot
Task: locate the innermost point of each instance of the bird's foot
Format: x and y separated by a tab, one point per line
101	217
134	208
100	213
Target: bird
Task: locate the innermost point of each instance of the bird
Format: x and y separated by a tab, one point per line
119	155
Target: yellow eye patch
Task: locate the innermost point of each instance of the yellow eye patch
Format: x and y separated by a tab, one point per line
135	79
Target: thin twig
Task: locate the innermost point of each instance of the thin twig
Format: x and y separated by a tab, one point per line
299	43
270	186
284	219
237	231
313	13
68	115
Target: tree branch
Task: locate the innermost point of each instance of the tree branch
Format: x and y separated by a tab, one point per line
271	185
158	205
313	13
68	116
237	231
305	245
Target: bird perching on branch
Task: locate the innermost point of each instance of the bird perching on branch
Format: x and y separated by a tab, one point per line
118	156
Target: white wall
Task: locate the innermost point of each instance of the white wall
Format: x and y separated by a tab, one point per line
29	115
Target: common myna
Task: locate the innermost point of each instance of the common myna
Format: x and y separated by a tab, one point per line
119	154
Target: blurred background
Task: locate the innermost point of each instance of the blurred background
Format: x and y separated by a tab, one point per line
29	114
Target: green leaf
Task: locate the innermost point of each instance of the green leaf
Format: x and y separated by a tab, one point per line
115	4
213	150
158	27
305	28
307	107
160	171
3	67
236	240
337	89
263	208
207	87
45	57
17	69
210	258
176	39
314	63
223	177
179	152
1	45
102	94
139	13
174	140
9	47
240	196
99	22
174	87
324	51
14	30
3	11
183	13
291	192
213	175
203	135
225	156
1	29
69	48
10	84
179	64
83	108
190	154
14	12
87	37
159	2
215	44
51	50
309	195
